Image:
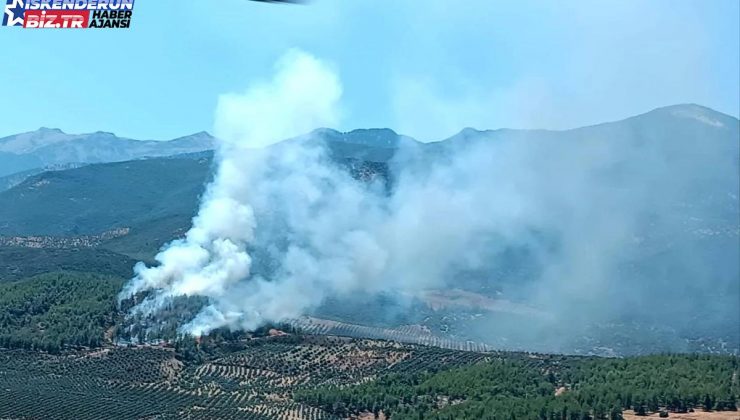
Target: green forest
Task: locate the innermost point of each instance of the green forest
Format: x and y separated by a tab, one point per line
56	310
570	389
69	313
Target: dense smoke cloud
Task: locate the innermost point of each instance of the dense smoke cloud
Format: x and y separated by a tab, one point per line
282	228
212	259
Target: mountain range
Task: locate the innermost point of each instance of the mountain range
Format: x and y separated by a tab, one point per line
110	182
107	202
52	148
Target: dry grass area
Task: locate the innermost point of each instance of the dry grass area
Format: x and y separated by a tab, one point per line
457	298
699	414
369	416
410	334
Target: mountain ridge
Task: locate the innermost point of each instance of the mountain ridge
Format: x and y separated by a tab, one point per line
676	110
661	126
683	109
47	147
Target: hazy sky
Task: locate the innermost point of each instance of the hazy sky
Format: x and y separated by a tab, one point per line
424	68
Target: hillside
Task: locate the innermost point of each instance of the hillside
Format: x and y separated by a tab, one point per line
97	198
154	197
19	263
105	196
687	153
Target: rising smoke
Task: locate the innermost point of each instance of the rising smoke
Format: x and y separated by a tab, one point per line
212	260
282	228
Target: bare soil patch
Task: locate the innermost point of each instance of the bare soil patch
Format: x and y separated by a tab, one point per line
698	414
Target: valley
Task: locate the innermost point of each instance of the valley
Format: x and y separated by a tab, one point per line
495	335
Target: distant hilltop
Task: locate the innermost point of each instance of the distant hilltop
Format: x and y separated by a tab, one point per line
51	148
48	147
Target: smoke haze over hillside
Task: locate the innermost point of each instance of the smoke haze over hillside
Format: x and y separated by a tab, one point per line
605	222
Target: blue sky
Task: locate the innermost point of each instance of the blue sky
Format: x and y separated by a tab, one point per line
425	68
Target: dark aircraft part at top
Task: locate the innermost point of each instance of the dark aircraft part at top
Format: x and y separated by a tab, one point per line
281	1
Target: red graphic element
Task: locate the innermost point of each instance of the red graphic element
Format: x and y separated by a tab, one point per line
56	19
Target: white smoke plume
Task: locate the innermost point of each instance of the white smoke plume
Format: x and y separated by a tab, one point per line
212	259
282	228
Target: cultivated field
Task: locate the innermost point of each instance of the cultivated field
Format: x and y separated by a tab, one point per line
312	377
150	382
